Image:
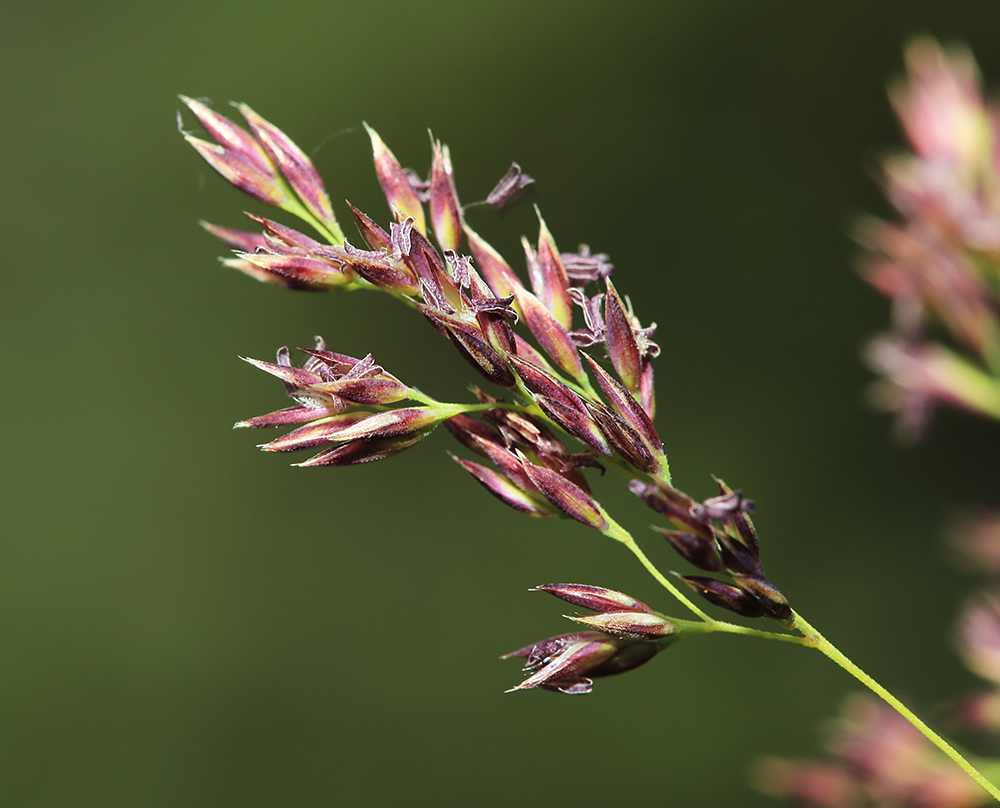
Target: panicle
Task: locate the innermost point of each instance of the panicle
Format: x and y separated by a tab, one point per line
349	410
938	263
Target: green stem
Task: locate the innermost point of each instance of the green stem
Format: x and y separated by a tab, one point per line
452	408
813	638
733	628
620	534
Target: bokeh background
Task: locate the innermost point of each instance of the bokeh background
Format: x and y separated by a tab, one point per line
186	621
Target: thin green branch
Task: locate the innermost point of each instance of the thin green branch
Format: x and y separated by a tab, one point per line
620	534
816	640
733	628
330	231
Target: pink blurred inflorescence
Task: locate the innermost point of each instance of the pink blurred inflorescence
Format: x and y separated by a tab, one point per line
939	263
878	760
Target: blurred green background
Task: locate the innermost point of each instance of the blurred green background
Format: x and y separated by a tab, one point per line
186	621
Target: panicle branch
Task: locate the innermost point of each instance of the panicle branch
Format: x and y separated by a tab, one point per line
562	413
